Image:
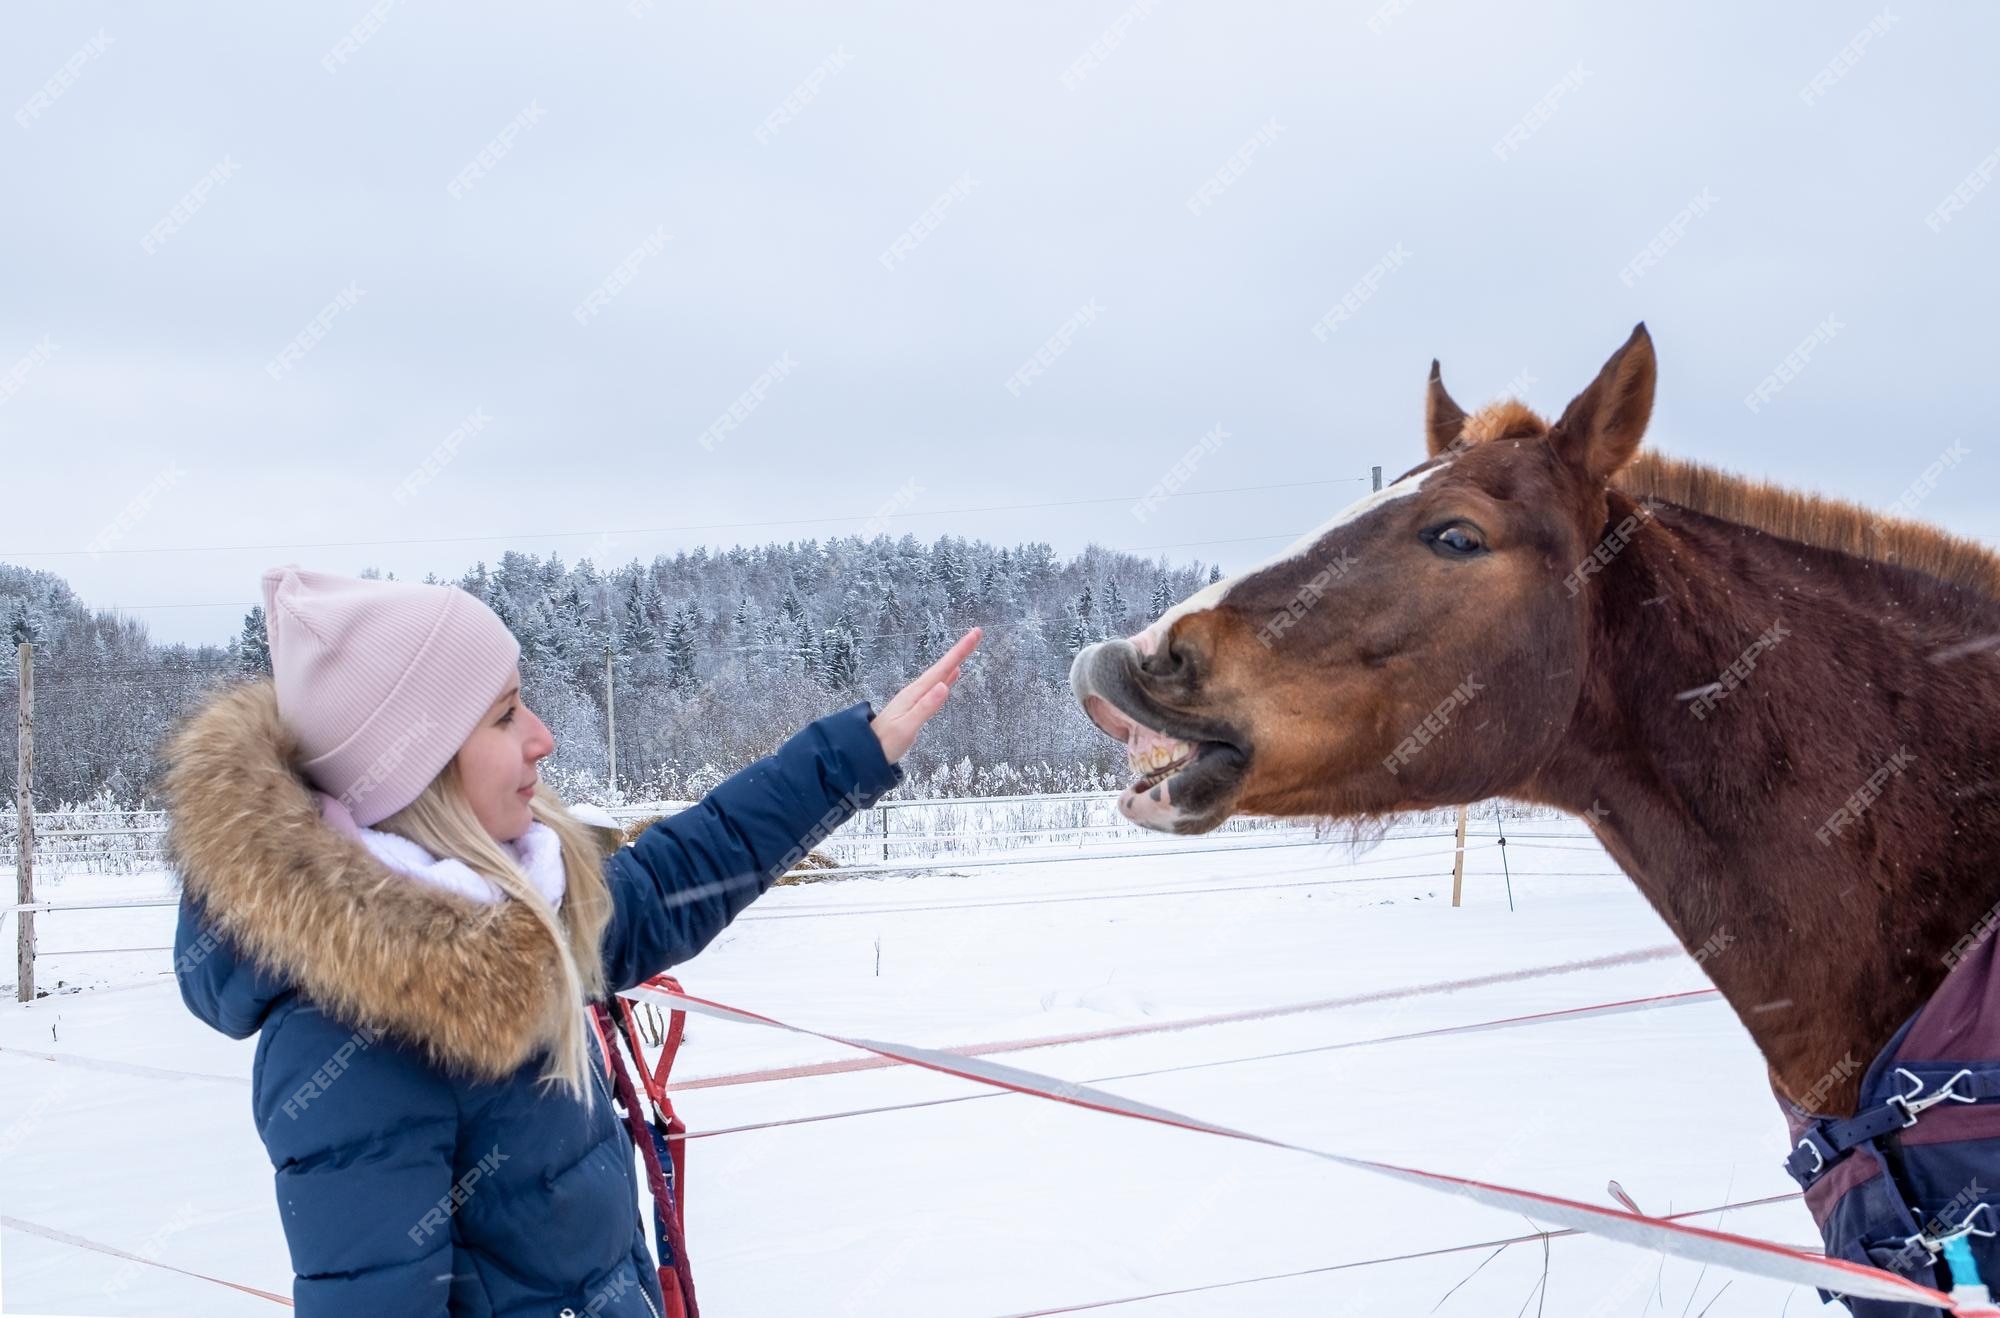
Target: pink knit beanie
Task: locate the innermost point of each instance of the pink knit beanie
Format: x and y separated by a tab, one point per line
382	681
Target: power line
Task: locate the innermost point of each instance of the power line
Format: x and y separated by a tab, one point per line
666	530
1122	549
1196	544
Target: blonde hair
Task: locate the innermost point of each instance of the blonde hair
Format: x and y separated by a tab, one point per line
442	821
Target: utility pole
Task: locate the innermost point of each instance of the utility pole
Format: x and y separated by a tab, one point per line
1377	471
24	815
610	719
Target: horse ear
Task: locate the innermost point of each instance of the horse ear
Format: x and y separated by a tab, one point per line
1600	429
1444	420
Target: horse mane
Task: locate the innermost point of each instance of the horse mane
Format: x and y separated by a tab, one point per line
1813	519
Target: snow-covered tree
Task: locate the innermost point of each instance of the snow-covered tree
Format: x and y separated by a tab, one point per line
253	644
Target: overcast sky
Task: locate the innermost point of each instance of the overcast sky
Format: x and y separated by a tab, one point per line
264	263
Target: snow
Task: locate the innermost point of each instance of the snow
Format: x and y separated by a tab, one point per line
138	1136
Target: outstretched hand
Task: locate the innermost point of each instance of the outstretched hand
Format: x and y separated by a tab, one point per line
897	723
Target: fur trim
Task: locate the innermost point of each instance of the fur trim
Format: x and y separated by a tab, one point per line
476	986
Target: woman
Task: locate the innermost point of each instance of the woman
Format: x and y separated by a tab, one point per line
374	882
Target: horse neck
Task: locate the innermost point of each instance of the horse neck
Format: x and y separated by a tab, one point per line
1820	831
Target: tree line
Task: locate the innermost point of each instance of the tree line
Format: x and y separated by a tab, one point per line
714	657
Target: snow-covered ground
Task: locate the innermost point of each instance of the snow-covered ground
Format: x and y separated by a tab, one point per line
126	1125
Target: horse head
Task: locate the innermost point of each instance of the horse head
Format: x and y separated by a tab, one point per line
1425	647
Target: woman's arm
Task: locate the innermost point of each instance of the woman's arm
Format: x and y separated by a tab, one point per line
685	878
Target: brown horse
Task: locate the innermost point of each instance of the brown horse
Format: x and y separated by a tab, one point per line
1780	714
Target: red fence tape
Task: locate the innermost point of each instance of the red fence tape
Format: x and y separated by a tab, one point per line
1721	1248
1664	952
1619	1008
84	1242
1088	1305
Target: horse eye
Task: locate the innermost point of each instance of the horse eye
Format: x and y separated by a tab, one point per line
1456	539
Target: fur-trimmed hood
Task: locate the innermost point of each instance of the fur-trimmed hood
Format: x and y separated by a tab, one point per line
308	908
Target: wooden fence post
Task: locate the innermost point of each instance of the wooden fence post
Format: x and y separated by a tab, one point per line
24	818
1458	862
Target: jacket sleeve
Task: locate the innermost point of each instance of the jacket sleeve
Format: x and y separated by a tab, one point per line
685	878
361	1136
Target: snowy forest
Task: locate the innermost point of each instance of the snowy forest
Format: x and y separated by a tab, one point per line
714	658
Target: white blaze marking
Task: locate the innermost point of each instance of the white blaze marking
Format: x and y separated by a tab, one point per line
1213	594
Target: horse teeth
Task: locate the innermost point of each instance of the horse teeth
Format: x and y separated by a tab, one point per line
1156	756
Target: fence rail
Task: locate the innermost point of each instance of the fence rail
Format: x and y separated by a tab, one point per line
79	841
893	837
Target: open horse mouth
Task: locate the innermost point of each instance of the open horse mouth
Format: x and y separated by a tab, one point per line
1185	768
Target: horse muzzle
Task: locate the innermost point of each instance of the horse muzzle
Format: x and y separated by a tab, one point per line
1188	768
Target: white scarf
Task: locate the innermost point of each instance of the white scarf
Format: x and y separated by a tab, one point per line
539	850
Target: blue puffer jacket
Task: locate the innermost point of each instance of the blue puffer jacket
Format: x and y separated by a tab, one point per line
420	1168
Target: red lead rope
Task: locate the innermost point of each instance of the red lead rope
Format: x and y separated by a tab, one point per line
676	1279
